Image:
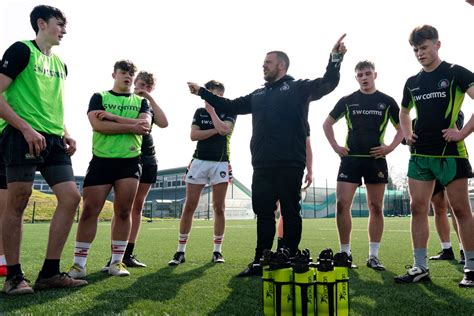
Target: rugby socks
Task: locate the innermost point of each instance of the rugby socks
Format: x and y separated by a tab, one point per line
118	250
469	255
419	255
182	241
3	260
446	245
81	250
218	243
346	248
374	249
50	268
13	270
129	250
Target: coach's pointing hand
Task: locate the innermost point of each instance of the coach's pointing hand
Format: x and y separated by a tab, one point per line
193	87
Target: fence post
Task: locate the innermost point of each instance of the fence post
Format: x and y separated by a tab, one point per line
314	200
327	199
33	216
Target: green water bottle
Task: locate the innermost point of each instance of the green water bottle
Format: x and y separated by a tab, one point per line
341	269
283	289
304	290
325	280
268	292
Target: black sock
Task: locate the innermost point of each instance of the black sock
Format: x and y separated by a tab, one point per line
280	243
13	270
129	250
50	268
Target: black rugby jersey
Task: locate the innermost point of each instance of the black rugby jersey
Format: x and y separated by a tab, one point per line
367	116
214	148
437	97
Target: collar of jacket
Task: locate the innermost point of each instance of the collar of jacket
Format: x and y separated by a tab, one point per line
278	82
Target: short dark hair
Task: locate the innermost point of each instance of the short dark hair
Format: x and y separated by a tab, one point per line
125	65
45	12
364	64
215	85
146	76
282	56
422	33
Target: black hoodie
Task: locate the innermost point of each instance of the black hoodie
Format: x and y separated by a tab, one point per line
279	116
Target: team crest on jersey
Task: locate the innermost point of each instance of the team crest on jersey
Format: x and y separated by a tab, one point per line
381	175
223	174
285	87
133	148
443	84
381	106
5	64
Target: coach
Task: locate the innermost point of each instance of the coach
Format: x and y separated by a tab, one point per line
278	145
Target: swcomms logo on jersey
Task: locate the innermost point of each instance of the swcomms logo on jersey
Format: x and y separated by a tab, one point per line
367	112
121	107
285	87
207	122
443	84
49	72
432	95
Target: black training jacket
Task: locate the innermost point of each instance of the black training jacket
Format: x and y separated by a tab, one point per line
279	116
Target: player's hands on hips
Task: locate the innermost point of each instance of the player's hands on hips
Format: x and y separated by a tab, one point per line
193	87
452	135
70	144
380	151
341	151
36	141
411	139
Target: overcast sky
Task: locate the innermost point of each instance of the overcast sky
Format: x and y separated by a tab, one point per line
197	41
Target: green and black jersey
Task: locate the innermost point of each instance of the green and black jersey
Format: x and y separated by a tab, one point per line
127	105
214	148
36	91
437	97
367	116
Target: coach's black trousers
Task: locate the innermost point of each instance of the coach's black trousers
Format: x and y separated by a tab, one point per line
270	185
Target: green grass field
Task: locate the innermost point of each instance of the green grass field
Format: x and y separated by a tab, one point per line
199	287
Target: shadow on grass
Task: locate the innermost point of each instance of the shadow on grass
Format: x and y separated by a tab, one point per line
245	298
381	296
160	286
13	304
